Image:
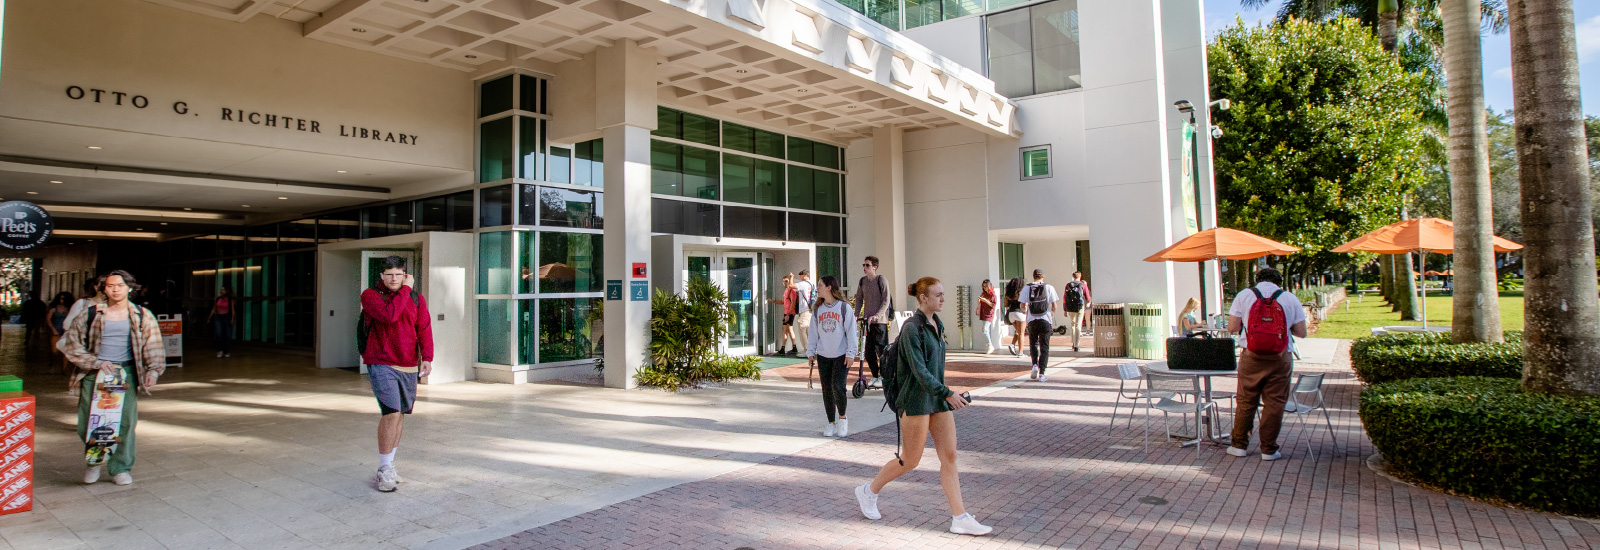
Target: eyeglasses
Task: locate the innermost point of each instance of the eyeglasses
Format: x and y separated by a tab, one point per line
395	275
868	265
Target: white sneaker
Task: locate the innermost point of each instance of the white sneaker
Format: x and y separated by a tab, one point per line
387	480
1034	375
1043	378
123	478
829	430
227	355
1273	456
844	427
989	351
965	524
1235	451
868	501
219	355
92	474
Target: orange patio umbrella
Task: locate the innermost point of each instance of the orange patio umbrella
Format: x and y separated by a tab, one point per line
1219	243
1421	235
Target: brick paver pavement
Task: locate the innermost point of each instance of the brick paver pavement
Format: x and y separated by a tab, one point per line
1038	465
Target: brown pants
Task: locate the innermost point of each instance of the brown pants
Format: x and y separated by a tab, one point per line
1263	382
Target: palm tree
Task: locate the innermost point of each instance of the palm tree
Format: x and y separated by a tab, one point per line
1562	350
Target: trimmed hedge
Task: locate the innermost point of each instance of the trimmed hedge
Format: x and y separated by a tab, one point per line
1398	356
1486	438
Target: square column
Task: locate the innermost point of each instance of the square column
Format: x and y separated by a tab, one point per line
889	209
625	113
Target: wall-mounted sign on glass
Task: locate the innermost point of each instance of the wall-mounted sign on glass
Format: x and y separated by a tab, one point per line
24	225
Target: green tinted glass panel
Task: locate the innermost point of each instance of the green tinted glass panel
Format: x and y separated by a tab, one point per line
666	168
527	261
769	144
569	329
526	324
752	181
1035	163
801	150
701	129
826	156
702	173
494	262
826	190
560	168
700	268
738	138
802	188
528	147
570	262
669	123
494	331
1010	261
830	262
528	97
588	164
923	12
885	12
494	96
494	150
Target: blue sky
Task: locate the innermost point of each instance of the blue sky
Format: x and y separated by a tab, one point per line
1496	49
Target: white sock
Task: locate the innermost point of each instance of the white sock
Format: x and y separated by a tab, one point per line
960	516
386	459
868	487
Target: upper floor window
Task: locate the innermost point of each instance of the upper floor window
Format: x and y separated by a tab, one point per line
1036	162
1034	50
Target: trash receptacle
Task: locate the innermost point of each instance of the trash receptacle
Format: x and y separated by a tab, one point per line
1146	333
1109	338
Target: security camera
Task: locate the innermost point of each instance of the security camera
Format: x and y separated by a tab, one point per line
1220	104
1216	132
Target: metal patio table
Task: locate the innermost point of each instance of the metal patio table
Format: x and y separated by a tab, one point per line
1212	422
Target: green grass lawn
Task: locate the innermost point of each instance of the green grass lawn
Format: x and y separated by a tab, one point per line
1374	312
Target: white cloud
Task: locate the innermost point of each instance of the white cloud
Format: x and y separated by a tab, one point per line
1588	40
1503	73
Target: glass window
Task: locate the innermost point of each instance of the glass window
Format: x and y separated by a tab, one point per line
230	243
1011	261
262	238
825	192
830	261
459	207
445	212
815	228
802	188
494	150
826	156
494	96
570	262
684	171
752	181
494	262
529	147
560	168
568	329
685	218
669	123
528	98
666	168
568	208
1036	162
753	223
494	327
386	220
495	209
332	228
738	138
1034	50
298	234
769	144
801	150
1010	53
588	164
700	129
526	324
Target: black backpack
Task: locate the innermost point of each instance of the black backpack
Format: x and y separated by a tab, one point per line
362	328
1038	299
1072	296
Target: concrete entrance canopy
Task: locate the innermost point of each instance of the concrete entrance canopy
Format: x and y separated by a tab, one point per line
803	66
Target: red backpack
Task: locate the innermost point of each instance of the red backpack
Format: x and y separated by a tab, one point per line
1266	331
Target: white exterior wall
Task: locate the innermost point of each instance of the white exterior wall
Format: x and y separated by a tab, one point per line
959	40
1184	39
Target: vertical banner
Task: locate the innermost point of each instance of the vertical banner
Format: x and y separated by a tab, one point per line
1189	207
16	452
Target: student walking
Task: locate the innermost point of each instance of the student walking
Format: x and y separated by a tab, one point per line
116	335
925	405
1014	315
988	300
59	308
399	350
1040	299
1074	299
1268	315
805	292
791	305
876	306
224	310
833	343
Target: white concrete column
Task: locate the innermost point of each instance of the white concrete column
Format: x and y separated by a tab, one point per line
1184	58
625	112
889	209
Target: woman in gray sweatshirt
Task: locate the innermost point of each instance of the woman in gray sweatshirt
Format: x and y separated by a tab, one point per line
832	344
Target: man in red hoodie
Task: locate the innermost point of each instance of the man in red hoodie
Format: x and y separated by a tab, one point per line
399	349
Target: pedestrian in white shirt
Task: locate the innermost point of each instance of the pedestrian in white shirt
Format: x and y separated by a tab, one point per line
807	293
1039	303
831	346
1266	362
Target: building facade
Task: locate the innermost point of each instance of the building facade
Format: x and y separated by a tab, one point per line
547	165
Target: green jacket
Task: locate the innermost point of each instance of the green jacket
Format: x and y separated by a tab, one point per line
920	367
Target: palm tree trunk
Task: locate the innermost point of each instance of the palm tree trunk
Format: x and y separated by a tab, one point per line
1475	309
1562	349
1388	23
1385	282
1410	308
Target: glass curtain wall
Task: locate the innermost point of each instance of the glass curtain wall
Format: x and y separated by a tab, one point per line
541	231
1034	50
910	14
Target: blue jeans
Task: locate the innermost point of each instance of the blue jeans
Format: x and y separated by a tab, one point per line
222	331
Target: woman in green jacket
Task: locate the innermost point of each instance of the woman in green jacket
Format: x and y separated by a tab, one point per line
925	404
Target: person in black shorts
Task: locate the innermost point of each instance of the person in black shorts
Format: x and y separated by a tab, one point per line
790	303
398	352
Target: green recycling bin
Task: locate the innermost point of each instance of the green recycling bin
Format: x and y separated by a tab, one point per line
1146	332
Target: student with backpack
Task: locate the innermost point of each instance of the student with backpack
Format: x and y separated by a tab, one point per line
876	305
111	336
1267	314
922	405
833	343
396	343
1040	300
1074	299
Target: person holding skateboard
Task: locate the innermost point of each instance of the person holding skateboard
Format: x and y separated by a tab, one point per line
120	343
398	350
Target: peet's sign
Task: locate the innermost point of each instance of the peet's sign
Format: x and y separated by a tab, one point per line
23	225
238	115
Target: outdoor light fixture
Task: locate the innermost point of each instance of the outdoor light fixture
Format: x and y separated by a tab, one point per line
1220	104
1184	106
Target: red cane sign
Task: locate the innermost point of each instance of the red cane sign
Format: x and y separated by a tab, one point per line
16	452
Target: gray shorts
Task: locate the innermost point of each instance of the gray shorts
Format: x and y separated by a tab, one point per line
396	391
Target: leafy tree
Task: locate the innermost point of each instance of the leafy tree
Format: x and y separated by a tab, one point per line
1325	135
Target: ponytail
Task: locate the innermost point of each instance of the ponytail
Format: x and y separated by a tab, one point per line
921	286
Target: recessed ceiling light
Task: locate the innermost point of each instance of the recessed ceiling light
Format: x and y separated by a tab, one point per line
341	171
96	147
470	56
740	71
33	192
849	106
163	223
138	229
358	29
55	181
187	208
802	90
283	198
245	205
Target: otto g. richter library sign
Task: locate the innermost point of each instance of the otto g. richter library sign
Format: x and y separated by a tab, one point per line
116	98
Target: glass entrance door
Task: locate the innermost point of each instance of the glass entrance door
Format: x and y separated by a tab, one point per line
742	300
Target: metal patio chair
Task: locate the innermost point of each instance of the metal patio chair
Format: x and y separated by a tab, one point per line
1177	386
1309	385
1127	372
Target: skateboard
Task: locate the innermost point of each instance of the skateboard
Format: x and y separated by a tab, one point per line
105	416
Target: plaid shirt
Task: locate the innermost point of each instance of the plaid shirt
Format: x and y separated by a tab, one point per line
82	342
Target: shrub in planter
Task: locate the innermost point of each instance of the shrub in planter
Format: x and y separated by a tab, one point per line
685	332
1397	356
1485	437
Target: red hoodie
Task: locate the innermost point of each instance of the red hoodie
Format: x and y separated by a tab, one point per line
397	325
